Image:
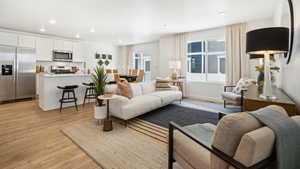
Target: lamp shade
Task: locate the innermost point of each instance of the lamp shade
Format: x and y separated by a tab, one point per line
174	64
273	40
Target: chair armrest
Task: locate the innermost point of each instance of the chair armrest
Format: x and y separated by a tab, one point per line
228	86
230	160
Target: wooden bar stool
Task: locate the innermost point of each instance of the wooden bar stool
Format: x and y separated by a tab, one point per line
69	99
90	92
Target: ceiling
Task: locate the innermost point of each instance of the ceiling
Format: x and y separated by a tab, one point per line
127	21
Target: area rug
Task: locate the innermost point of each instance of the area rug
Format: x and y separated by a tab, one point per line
121	148
180	115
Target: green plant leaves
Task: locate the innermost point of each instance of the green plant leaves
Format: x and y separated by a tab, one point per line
99	79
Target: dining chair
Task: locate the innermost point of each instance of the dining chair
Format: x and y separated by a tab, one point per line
115	71
134	72
140	77
117	77
108	71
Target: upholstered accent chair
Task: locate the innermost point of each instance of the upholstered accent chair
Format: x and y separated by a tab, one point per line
239	141
237	94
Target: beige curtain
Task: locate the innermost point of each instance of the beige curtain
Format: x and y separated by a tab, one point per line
180	51
129	56
181	55
237	66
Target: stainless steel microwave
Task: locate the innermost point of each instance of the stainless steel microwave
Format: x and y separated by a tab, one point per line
62	56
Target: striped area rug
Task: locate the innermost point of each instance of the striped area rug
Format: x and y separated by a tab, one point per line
152	130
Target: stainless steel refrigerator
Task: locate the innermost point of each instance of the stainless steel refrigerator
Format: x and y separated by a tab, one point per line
17	73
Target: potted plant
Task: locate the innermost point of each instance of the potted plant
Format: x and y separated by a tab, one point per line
99	79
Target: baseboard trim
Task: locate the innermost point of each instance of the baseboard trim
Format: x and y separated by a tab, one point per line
206	99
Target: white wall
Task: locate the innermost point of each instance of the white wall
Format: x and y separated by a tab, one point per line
149	49
91	48
290	73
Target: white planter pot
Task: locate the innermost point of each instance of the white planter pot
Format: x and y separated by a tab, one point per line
100	112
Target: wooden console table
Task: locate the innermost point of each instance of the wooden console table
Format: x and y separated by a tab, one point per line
252	101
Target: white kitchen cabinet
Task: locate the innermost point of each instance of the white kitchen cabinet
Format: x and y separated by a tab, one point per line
58	45
8	39
26	41
44	48
68	45
63	45
78	55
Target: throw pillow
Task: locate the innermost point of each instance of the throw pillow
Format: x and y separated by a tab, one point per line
242	84
124	88
162	85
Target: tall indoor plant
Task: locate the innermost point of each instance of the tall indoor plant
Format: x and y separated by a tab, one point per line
99	79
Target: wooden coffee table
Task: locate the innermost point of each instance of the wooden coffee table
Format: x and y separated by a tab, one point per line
107	126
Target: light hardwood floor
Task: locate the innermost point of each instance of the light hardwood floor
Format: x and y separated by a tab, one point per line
31	138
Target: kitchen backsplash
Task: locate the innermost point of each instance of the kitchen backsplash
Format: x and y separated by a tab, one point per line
47	65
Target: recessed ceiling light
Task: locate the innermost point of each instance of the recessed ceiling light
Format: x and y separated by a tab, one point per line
92	30
120	41
43	29
222	13
77	36
52	21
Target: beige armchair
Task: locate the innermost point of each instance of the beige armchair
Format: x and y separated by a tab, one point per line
239	141
237	94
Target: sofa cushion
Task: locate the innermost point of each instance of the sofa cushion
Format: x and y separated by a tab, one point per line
231	96
255	146
230	131
148	87
167	97
297	119
140	105
189	151
136	89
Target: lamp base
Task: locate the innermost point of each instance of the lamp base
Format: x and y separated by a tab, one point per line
267	97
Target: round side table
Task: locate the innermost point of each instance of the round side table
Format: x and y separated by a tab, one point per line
107	126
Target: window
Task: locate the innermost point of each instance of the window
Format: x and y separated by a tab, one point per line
142	62
137	60
206	60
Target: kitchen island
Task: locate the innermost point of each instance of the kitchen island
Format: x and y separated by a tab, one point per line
49	94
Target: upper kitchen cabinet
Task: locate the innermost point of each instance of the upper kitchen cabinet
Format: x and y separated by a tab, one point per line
44	48
63	45
8	39
26	41
78	51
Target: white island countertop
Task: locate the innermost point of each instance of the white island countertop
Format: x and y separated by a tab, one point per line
49	94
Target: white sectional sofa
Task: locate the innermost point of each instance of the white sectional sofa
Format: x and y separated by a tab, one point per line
145	99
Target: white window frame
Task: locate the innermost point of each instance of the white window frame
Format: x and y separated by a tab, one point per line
205	73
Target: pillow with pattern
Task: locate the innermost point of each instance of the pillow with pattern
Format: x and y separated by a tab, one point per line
242	84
